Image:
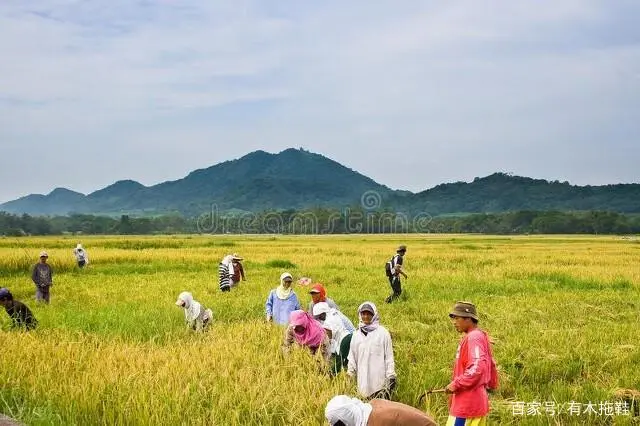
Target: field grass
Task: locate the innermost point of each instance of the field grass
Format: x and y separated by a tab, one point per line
112	347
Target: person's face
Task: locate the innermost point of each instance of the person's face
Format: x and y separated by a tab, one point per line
182	303
321	317
4	302
43	259
367	317
461	324
287	282
315	297
298	329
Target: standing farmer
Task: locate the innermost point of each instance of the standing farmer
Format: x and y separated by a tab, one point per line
394	270
474	371
282	301
42	277
371	355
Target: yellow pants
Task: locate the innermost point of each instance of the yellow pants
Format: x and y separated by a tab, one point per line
471	421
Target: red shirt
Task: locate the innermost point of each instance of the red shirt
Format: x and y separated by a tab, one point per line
473	373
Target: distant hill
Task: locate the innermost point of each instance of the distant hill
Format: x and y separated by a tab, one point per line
291	179
502	192
298	179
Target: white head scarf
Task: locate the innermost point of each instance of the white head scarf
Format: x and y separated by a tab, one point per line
79	246
191	307
282	292
375	322
350	411
227	260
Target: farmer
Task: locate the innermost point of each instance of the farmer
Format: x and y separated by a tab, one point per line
197	317
82	258
371	355
282	301
474	371
394	270
307	332
42	277
21	316
344	411
238	270
225	272
319	294
337	332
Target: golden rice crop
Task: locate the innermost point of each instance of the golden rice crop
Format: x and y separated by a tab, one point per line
112	348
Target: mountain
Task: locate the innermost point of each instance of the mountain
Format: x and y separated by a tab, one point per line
57	202
291	179
298	179
501	192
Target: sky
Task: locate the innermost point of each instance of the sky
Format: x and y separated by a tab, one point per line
409	93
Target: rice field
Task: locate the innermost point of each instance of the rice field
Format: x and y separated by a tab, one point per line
111	348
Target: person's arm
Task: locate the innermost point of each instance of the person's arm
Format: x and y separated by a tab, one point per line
476	365
389	362
34	275
327	330
297	302
288	340
333	304
50	275
352	366
269	306
399	267
325	348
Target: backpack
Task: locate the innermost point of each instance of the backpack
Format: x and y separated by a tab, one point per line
387	268
494	378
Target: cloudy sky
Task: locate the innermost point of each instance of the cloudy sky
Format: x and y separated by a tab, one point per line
410	93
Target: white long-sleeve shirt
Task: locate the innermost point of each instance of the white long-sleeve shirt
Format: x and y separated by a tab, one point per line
338	330
371	360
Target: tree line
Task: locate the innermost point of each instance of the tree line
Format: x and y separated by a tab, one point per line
326	221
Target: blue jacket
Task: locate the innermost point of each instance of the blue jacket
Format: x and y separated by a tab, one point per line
280	309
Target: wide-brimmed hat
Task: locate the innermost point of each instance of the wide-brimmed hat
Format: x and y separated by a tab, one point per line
464	310
235	256
401	248
43	254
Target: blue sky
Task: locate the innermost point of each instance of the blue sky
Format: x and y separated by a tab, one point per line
409	93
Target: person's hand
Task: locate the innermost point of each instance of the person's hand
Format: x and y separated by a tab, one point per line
392	384
450	388
269	318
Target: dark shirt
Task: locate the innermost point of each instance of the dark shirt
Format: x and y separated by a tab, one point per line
20	315
42	275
